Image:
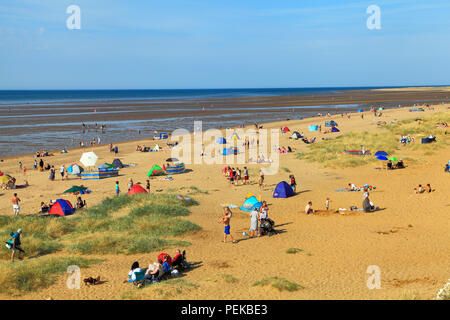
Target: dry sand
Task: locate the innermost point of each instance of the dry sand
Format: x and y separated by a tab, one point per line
408	240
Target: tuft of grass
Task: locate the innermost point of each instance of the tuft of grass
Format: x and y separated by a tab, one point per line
293	250
30	275
279	283
286	169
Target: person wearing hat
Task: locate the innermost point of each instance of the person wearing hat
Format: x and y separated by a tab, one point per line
16	244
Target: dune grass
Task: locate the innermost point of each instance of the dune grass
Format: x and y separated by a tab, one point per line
151	220
293	250
30	275
330	152
279	283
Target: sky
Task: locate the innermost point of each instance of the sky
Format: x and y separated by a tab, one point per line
171	44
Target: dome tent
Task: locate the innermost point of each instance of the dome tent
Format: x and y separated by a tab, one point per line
61	208
296	135
136	189
156	171
221	140
250	204
117	164
283	190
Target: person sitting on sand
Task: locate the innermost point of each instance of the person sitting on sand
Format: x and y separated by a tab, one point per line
308	208
400	164
352	187
80	203
134	269
428	188
390	165
419	189
44	208
447	167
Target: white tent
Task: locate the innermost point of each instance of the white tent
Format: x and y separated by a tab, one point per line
156	148
88	159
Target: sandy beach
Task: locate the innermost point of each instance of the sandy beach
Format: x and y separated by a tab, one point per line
408	239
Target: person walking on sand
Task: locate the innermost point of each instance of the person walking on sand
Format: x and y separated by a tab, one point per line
226	221
254	215
15	203
327	204
117	188
15	245
61	171
148	186
261	179
245	175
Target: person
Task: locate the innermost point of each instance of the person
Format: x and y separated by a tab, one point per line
327	204
419	189
52	173
66	174
116	150
80	203
15	202
308	208
61	171
16	245
153	271
164	270
254	223
134	269
400	164
35	164
41	165
447	167
148	186
226	221
263	211
293	182
261	179
245	175
428	188
367	206
44	208
179	260
117	188
130	184
352	187
389	165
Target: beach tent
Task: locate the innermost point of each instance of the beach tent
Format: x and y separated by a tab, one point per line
221	140
75	189
74	169
381	153
296	135
156	171
5	178
61	208
360	110
283	190
286	129
88	159
172	160
163	135
176	169
230	151
428	140
313	128
135	189
104	166
382	158
251	203
330	124
334	129
117	164
156	148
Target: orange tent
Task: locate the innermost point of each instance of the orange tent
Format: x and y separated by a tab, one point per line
136	188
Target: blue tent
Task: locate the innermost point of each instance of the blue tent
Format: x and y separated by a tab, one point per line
283	190
383	158
330	124
334	129
313	128
250	204
360	110
221	140
381	153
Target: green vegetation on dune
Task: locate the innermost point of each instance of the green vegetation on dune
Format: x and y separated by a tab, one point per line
330	152
278	283
29	275
150	222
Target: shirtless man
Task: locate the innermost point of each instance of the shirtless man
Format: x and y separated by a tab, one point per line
226	221
15	202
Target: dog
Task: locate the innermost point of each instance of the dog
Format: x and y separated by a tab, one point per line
92	281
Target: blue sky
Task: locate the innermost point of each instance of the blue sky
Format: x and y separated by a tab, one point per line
146	44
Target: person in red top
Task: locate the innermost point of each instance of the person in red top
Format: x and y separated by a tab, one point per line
293	182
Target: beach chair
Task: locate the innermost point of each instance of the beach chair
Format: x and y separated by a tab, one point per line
140	277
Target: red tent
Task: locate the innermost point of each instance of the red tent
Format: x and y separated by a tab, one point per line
136	188
286	129
61	208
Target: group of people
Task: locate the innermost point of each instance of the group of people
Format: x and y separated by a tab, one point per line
160	270
399	165
284	150
236	175
420	189
406	139
43	153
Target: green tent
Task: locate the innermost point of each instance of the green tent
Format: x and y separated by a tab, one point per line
393	158
156	171
75	189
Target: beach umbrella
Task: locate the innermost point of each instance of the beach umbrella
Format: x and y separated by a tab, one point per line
381	153
383	158
75	189
393	158
88	159
172	160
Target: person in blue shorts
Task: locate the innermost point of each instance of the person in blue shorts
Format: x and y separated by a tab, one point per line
226	221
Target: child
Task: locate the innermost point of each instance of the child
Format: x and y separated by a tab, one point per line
117	188
327	203
308	208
